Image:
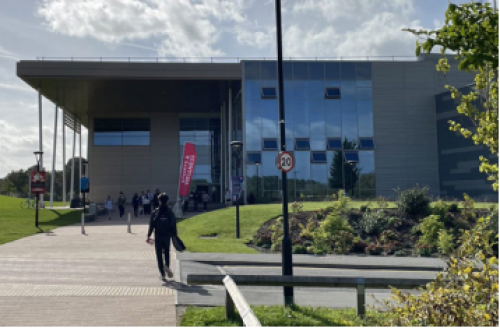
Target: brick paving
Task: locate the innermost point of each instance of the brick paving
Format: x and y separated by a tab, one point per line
107	277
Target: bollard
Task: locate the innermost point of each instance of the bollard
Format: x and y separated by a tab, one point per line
129	230
83	223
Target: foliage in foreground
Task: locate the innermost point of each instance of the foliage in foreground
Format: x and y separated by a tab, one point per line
279	316
466	294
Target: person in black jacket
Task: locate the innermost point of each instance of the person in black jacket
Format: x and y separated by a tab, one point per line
156	201
165	227
135	204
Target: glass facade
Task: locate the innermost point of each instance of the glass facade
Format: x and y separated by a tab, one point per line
122	132
328	111
205	133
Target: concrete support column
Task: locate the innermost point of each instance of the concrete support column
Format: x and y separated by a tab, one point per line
40	139
80	163
64	159
72	189
54	147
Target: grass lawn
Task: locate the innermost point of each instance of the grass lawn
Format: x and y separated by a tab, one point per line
222	222
278	316
16	223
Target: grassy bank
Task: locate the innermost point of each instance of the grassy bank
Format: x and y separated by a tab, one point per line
278	316
17	223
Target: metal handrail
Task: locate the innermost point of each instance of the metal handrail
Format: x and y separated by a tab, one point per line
228	59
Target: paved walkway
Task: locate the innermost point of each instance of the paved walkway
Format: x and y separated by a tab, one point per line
105	278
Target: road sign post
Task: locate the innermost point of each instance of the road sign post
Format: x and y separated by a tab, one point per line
285	161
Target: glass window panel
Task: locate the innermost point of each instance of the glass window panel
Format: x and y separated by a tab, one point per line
107	141
302	168
254	158
288	85
187	124
268	93
301	119
317	71
269	144
107	125
332	71
349	127
302	144
300	92
318	157
202	124
289	143
136	141
335	171
253	126
351	156
136	134
203	150
203	160
318	143
348	90
367	170
348	105
268	171
365	118
319	179
252	70
136	124
316	89
366	143
332	93
289	122
202	178
348	71
252	89
300	70
270	117
316	106
108	134
268	70
335	143
363	72
202	169
364	93
215	122
252	105
333	114
332	84
317	124
287	70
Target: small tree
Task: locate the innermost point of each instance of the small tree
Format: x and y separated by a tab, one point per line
471	30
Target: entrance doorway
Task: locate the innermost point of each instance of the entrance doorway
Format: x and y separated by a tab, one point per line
212	190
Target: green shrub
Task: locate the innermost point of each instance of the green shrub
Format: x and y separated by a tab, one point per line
453	208
445	243
387	236
374	249
364	208
414	201
358	245
400	253
430	228
299	249
342	242
425	250
440	208
374	222
382	202
297	207
468	208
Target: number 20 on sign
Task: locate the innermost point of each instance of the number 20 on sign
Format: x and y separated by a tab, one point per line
285	161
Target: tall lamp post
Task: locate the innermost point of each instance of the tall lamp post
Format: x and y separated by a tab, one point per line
286	246
38	156
237	146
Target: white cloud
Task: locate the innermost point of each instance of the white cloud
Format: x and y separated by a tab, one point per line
185	27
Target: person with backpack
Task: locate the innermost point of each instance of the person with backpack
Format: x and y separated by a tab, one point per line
164	225
122	200
135	204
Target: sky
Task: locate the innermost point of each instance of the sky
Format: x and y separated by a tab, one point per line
181	28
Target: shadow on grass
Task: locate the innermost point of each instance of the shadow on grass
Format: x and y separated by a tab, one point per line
62	219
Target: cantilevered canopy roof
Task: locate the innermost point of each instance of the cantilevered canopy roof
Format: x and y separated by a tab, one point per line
78	86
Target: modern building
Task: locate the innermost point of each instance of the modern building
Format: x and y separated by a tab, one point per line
366	126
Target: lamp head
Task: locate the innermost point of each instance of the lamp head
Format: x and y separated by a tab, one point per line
38	155
236	145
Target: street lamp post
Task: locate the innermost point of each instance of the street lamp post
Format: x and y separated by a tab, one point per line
236	147
38	156
286	261
85	174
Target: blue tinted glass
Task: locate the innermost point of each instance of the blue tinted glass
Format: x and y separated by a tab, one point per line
333	118
302	144
365	118
202	149
301	119
289	122
366	143
333	93
270	118
302	170
252	105
287	70
348	105
288	93
318	157
254	158
252	70
253	126
268	169
317	71
202	169
108	134
136	133
268	92
107	125
367	172
364	93
316	89
300	92
332	71
268	70
270	144
136	141
349	127
334	144
351	156
363	71
348	90
136	124
348	71
318	142
319	176
317	124
300	70
332	84
107	141
252	89
316	106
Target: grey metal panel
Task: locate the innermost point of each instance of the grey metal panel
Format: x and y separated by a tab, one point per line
110	70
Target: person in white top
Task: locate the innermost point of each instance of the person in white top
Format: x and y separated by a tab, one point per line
179	214
108	205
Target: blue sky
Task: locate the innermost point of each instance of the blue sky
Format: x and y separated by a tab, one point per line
178	28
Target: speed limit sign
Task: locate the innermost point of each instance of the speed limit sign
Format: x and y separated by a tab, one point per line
285	161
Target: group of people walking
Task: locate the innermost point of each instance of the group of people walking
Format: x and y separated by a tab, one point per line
196	198
143	204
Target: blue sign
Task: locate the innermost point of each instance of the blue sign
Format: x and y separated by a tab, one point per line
84	183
